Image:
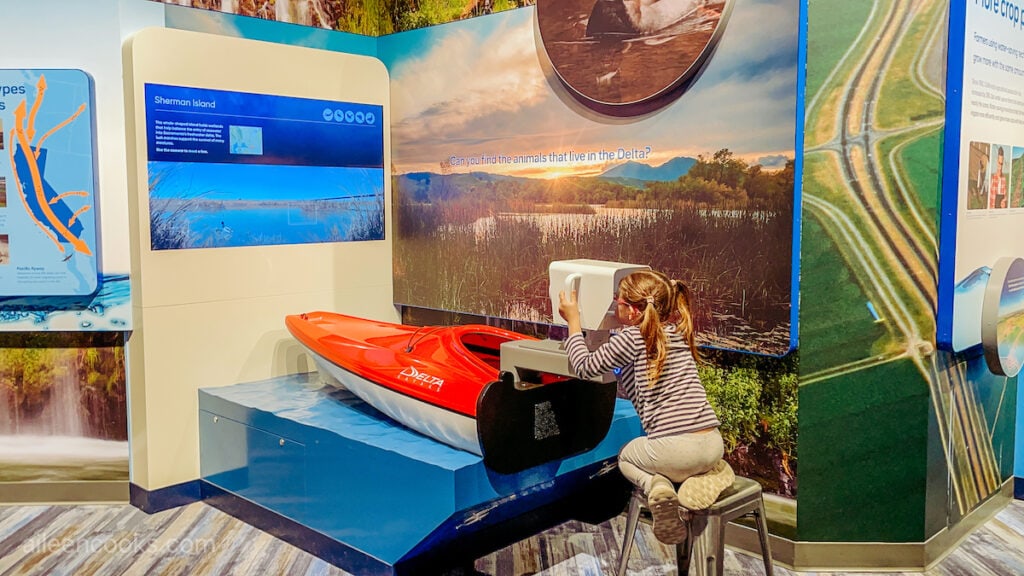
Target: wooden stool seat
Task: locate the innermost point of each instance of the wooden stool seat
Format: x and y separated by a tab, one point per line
706	538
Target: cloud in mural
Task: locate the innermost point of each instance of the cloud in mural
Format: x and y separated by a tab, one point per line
467	76
757	42
478	87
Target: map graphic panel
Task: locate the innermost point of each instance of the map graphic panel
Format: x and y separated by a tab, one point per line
47	184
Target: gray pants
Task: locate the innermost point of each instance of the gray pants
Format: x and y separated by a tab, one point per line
674	457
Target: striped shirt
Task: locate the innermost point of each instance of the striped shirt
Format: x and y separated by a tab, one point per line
676	404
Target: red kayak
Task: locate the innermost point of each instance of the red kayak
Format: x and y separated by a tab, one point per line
445	382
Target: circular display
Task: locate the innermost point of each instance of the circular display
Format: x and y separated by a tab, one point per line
1002	317
629	57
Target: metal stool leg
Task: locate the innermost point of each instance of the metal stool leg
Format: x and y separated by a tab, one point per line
632	519
762	534
719	548
695	545
704	529
684	551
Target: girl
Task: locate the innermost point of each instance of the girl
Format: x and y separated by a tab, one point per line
655	353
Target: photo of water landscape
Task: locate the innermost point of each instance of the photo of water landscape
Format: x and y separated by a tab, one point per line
453	228
206	205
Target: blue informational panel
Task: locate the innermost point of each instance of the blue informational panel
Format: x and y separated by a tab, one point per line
983	175
239	169
47	184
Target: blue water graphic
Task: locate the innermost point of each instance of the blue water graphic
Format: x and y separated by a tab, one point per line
108	309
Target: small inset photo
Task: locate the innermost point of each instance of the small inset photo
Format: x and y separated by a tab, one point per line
1017	178
999	178
5	249
3	192
1	133
246	140
978	175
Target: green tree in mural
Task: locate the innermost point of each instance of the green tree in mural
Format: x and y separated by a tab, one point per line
26	375
735	395
33	363
755	399
101	372
780	418
722	167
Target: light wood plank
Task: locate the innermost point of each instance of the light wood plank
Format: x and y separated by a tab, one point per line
201	540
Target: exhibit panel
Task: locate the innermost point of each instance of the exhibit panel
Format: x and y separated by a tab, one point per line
979	276
254	196
51	175
984	191
497	161
935	425
979	270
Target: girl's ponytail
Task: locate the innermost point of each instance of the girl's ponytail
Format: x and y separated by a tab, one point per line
684	318
654	340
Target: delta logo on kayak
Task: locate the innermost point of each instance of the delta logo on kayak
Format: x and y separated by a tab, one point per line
432	383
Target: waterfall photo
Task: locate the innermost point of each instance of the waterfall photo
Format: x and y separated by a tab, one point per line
62	397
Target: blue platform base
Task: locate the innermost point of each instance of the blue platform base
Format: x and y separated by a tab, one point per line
321	469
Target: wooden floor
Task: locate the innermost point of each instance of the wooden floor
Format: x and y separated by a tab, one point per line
200	540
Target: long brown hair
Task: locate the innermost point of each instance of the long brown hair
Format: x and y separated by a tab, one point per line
661	301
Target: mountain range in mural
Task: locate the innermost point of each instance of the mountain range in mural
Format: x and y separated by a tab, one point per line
630	173
666	172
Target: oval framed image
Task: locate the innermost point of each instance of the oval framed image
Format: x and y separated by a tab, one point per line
626	58
1002	317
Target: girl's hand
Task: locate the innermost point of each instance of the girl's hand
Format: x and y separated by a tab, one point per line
569	308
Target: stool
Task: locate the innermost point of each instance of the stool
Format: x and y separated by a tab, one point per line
706	536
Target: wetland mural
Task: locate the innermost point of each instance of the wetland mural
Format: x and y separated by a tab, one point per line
496	172
495	175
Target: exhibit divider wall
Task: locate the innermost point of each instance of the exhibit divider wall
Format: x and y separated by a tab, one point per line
246	204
